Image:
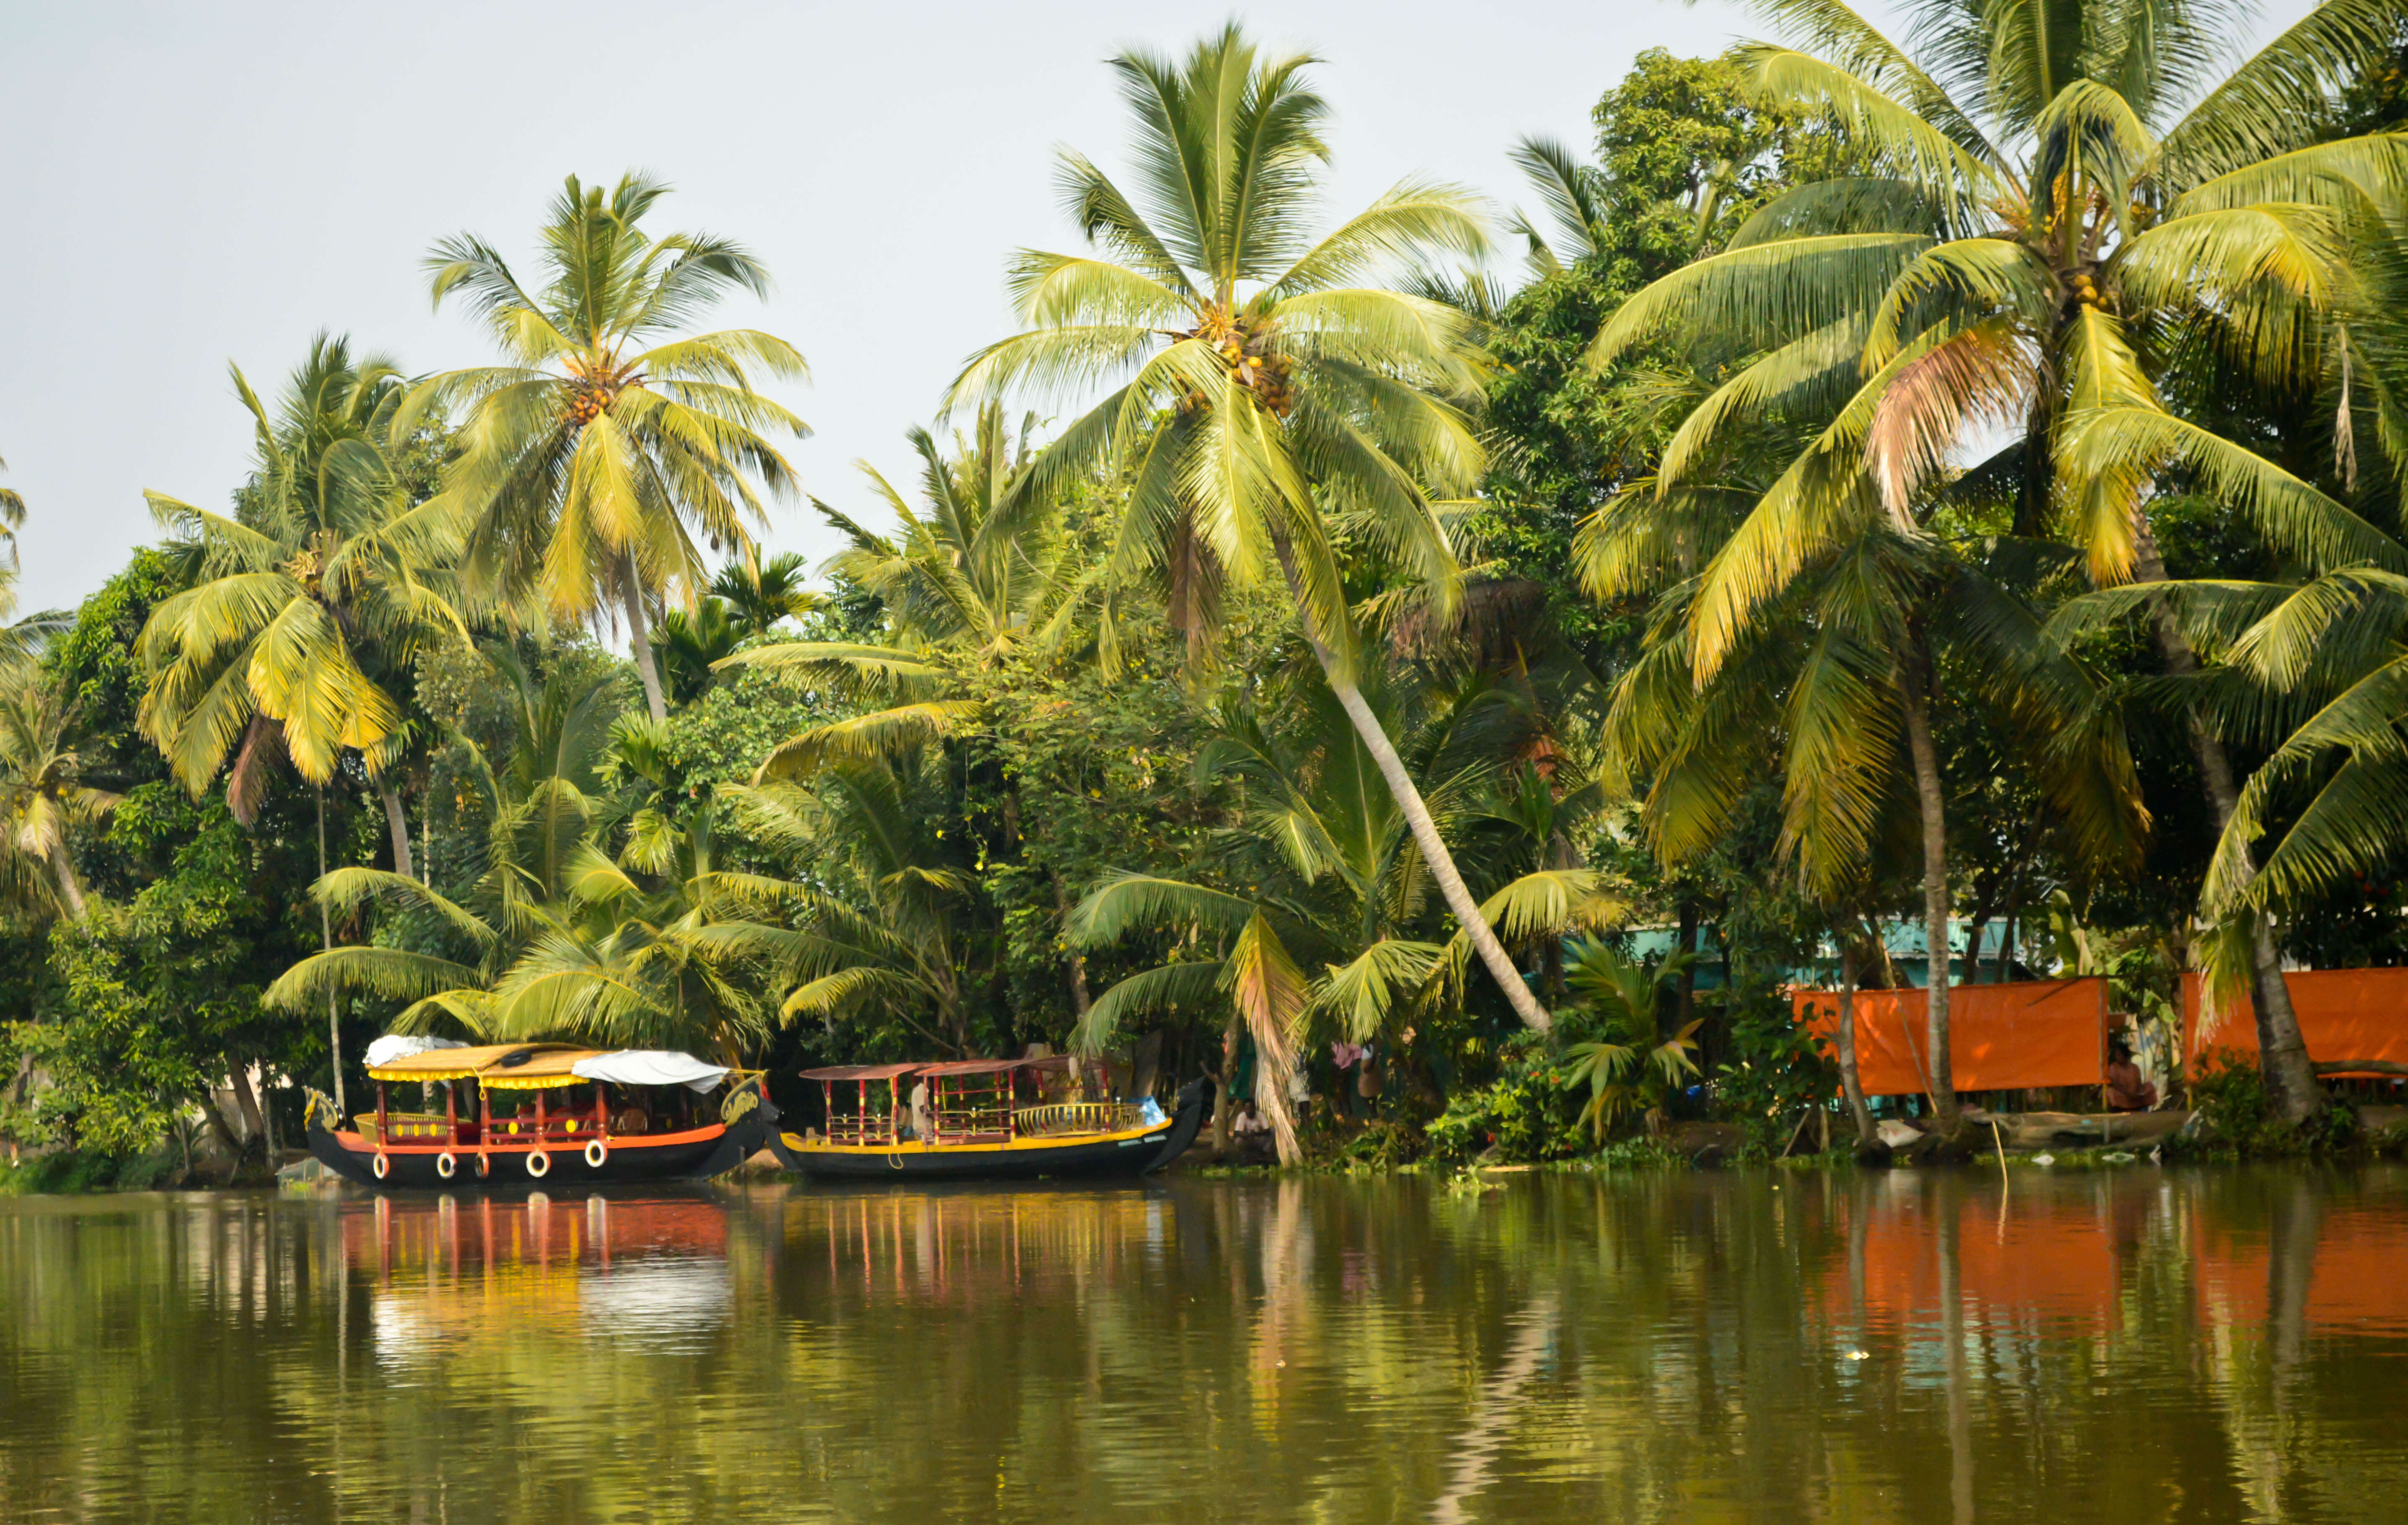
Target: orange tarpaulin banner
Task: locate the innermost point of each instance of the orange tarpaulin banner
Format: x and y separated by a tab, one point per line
2344	1013
2000	1037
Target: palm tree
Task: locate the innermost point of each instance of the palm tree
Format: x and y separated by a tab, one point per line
306	605
762	593
658	947
42	792
1335	890
877	910
309	604
610	439
2032	194
1264	395
980	569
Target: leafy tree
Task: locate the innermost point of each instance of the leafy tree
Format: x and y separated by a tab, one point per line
2011	223
611	438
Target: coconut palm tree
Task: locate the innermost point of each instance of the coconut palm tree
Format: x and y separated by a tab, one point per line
308	603
876	912
2047	209
308	606
762	593
1262	395
611	439
659	946
43	797
979	569
1325	931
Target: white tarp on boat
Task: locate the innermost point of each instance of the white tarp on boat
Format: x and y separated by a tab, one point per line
401	1045
650	1067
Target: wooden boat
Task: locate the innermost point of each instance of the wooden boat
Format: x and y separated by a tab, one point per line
522	1133
976	1127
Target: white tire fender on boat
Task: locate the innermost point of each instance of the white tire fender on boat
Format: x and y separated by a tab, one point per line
538	1164
445	1164
596	1153
380	1165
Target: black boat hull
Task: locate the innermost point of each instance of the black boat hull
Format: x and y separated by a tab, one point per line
1135	1154
696	1155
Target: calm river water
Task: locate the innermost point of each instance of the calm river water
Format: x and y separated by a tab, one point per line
2128	1347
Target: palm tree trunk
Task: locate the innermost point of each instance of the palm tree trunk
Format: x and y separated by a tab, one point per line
641	628
1851	1080
326	944
2284	1067
1224	1109
1417	816
68	886
396	822
1433	848
1079	999
1914	698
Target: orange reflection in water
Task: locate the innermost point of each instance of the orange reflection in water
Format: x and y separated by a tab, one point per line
2061	1258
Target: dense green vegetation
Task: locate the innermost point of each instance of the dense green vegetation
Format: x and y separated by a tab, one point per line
1944	484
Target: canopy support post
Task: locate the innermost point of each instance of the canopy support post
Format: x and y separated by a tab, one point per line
384	1134
451	1114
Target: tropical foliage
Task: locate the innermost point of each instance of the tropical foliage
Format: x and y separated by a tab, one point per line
1900	512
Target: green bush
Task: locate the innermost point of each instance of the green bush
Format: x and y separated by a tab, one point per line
1526	1114
2232	1119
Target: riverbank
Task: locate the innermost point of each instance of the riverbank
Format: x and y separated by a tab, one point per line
2046	1140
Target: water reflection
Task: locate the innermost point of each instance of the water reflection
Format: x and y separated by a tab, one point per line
1907	1347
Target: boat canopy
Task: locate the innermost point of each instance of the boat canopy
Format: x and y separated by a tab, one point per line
992	1067
523	1067
456	1063
650	1067
862	1072
401	1045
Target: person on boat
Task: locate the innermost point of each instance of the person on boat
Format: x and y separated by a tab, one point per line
2127	1090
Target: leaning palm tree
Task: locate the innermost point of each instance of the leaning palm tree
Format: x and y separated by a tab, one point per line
1263	397
2032	193
1327	923
43	796
611	439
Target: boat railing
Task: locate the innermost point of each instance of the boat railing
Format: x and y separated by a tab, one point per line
404	1127
1056	1117
847	1127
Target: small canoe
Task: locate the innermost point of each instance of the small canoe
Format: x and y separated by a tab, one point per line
560	1139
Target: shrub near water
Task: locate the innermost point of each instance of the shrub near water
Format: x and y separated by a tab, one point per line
2233	1119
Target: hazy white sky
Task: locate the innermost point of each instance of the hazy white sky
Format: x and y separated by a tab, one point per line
183	185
